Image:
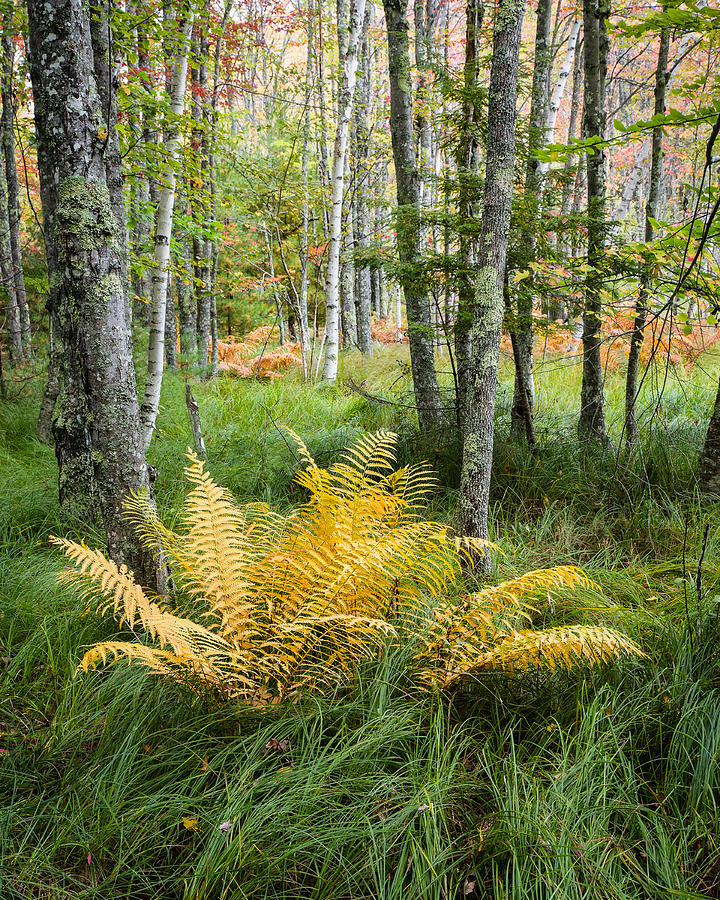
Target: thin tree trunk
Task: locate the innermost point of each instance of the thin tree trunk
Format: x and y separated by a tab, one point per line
566	69
348	309
337	182
709	467
51	392
11	181
97	428
186	307
276	294
408	226
363	286
305	232
200	204
468	199
492	255
651	215
171	331
163	233
524	393
10	307
591	425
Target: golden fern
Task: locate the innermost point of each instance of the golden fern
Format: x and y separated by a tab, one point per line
294	602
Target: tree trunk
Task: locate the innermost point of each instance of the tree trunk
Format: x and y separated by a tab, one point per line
429	405
7	134
163	233
107	82
349	62
10	307
709	468
186	308
651	214
171	331
492	255
200	204
348	312
566	69
97	429
305	232
468	197
591	425
50	394
524	393
363	286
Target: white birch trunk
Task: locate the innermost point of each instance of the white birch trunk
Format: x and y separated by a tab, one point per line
337	183
163	233
558	93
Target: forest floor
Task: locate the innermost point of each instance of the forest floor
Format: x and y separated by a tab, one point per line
603	784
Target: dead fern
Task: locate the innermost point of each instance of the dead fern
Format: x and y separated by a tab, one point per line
294	602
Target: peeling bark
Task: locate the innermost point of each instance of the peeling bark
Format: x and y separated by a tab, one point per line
349	62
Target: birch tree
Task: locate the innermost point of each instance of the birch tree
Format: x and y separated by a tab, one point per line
492	255
363	286
356	17
163	232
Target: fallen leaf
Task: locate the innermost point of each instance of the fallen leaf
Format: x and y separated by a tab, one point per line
190	824
226	826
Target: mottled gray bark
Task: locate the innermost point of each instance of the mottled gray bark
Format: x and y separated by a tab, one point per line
492	255
7	135
522	322
96	426
106	80
431	414
709	468
652	209
569	176
468	200
591	425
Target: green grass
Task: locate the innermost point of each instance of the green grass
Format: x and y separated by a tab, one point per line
604	785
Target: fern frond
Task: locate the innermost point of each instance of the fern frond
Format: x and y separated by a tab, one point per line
298	600
564	648
372	454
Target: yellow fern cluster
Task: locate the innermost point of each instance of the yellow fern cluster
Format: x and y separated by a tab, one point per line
296	601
